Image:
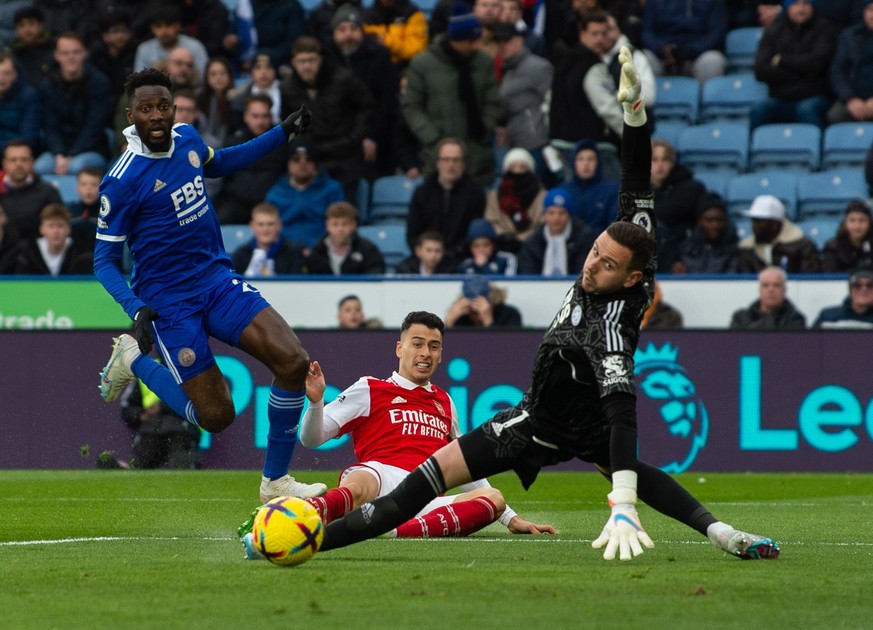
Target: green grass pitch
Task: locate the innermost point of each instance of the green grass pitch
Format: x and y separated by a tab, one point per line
127	549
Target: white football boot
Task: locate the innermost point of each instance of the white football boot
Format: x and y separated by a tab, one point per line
287	486
116	375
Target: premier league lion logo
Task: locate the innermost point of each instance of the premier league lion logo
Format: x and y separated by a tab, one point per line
670	396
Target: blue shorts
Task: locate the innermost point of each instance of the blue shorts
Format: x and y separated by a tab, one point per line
223	311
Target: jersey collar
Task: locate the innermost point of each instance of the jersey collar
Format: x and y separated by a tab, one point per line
405	383
135	144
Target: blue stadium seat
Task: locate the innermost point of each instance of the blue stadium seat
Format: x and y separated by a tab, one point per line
829	192
720	147
846	145
678	99
740	47
363	201
792	146
730	97
391	239
742	189
234	236
66	185
714	181
668	130
427	7
820	228
390	199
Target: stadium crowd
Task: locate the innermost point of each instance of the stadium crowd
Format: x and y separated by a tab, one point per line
491	124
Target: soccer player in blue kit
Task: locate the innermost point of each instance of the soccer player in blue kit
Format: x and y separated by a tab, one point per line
183	287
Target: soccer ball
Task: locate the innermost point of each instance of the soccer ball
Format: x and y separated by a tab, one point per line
288	531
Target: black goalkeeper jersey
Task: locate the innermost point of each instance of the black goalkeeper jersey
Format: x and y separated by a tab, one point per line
587	353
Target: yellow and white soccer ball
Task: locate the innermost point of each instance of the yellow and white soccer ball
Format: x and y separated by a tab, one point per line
287	531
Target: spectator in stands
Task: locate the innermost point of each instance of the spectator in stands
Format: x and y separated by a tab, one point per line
279	23
209	22
447	201
166	28
54	252
515	206
371	63
615	39
511	12
482	305
856	311
746	13
343	251
341	106
428	258
350	314
182	68
22	192
851	72
580	97
484	258
263	81
320	18
793	59
304	195
213	100
524	87
685	37
113	53
76	111
488	14
660	315
20	106
33	46
400	26
188	112
66	15
593	196
242	190
852	247
84	211
563	243
677	196
452	92
775	241
772	310
268	254
712	246
9	242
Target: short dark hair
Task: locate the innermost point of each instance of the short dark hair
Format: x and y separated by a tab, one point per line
305	44
258	98
17	142
594	16
28	13
55	211
451	140
637	239
425	318
146	76
347	298
341	210
93	171
430	235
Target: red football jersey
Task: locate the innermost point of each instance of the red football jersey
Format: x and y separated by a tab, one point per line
394	421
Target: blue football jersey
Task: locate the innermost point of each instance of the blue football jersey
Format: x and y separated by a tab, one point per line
157	203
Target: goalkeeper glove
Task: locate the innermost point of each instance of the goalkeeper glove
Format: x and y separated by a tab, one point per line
143	328
297	123
623	531
629	90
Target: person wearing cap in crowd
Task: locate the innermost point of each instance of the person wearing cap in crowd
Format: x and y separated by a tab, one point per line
562	245
775	240
263	81
400	26
452	91
242	190
511	12
712	246
851	72
484	256
853	244
447	201
856	311
341	106
482	305
33	46
524	86
793	59
304	195
368	60
772	310
515	206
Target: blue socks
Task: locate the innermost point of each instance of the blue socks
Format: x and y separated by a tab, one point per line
283	412
161	381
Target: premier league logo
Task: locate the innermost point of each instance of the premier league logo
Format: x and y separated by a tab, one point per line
670	412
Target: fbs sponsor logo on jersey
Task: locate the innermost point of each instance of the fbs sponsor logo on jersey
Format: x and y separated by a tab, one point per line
671	396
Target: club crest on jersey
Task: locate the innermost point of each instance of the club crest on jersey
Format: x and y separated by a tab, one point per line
104	206
576	315
186	357
439	407
194	158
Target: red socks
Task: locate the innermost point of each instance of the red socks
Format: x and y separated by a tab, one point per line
455	519
333	504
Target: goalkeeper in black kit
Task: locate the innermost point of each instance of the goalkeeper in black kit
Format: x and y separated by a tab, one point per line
582	398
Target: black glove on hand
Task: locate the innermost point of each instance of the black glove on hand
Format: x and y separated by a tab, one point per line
143	328
297	123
